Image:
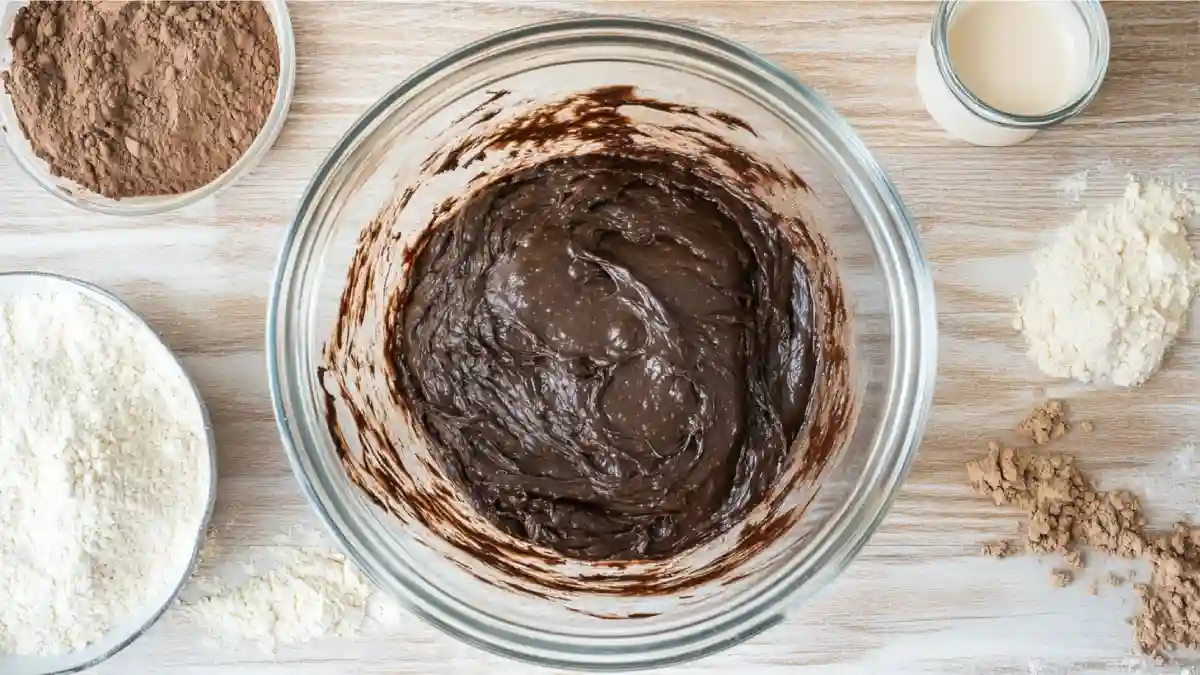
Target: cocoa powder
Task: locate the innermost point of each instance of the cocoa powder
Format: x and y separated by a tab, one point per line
1045	423
142	98
1065	511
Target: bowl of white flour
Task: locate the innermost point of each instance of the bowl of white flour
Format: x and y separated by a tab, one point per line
107	475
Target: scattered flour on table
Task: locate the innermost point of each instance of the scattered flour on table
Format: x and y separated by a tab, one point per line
103	471
1110	295
1132	666
309	594
1074	186
1184	461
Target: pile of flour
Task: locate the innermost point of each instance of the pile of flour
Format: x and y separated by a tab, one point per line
104	471
1110	295
304	594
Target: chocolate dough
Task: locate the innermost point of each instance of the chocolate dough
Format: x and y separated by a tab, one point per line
611	356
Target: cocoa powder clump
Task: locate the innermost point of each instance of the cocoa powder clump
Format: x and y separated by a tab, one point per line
134	99
1061	578
999	549
1045	423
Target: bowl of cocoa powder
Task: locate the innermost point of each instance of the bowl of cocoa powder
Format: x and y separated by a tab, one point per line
139	108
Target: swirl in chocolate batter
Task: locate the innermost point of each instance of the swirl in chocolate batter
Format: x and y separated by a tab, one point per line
611	356
600	348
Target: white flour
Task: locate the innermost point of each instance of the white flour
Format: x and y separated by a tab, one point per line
309	594
1072	187
103	471
1110	295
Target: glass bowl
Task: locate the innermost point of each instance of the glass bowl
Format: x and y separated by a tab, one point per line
75	194
891	338
124	632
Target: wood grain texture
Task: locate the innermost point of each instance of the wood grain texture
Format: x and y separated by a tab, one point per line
919	599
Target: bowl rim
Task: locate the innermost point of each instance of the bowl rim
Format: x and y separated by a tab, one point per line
115	303
914	356
82	198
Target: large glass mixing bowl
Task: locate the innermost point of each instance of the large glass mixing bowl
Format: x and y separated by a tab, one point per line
854	208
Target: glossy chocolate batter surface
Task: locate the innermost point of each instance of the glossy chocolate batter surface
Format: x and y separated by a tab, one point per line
611	356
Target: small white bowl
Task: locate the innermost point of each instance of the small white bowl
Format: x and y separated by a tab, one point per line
77	195
124	632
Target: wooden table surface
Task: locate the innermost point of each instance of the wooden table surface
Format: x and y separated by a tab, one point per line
919	599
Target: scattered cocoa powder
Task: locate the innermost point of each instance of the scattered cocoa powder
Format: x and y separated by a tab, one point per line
1044	423
142	98
1170	615
1061	578
999	549
1064	508
1074	560
1115	579
1065	511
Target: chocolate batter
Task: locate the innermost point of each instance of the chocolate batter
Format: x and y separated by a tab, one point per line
610	355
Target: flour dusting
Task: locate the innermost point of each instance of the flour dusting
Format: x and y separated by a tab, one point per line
286	596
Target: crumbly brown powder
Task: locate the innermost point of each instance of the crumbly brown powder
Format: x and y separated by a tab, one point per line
1064	508
142	98
1061	578
1045	423
1065	511
999	549
1170	613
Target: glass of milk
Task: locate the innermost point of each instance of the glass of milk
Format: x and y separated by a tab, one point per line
994	72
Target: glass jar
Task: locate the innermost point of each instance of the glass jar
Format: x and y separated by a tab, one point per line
854	208
964	115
